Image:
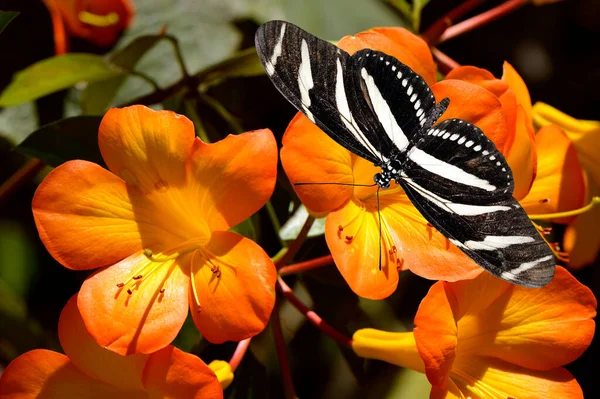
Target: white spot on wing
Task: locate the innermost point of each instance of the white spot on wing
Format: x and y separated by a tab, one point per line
270	67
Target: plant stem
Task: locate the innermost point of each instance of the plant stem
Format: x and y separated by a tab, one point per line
20	177
179	56
293	248
274	220
445	63
282	357
481	19
311	316
433	33
307	265
238	355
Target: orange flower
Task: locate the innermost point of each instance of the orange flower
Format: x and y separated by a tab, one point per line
548	176
160	225
98	21
91	371
581	238
486	338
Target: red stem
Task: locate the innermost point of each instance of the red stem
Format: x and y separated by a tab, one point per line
445	63
238	355
296	244
481	19
312	316
307	265
433	33
24	174
282	357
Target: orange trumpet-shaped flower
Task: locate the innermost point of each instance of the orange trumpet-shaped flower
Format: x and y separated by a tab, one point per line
98	21
90	371
581	239
486	338
157	227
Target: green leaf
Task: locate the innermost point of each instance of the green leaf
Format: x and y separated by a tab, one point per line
248	228
65	140
416	13
97	96
244	63
292	227
403	6
54	74
6	17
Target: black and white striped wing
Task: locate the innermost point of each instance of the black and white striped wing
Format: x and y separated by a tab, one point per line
463	186
316	77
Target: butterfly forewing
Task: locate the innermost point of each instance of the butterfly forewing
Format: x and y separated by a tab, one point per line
399	97
318	79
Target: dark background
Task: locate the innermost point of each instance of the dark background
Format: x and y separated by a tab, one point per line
556	48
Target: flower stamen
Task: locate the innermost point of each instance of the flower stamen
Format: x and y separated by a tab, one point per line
595	201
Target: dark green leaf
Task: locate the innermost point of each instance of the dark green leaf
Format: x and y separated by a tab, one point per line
242	64
97	96
6	17
54	74
247	228
64	140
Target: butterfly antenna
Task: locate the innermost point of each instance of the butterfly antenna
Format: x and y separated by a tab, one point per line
336	184
379	216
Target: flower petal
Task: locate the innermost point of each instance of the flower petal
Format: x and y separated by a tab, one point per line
172	373
475	104
481	77
521	155
479	377
397	348
234	291
584	135
84	216
407	243
146	148
124	372
233	178
400	43
581	239
436	334
559	185
310	156
146	320
517	86
42	373
538	328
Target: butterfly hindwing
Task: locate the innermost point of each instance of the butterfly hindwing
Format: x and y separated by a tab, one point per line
316	77
458	162
463	186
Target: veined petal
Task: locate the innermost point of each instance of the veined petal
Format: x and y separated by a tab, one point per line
124	372
406	242
481	77
234	288
397	348
483	378
233	178
559	185
581	239
475	104
172	373
521	155
144	321
43	374
584	135
436	334
400	43
538	328
85	218
310	156
146	148
517	86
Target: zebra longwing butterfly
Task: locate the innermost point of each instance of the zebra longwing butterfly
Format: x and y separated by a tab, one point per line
381	110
